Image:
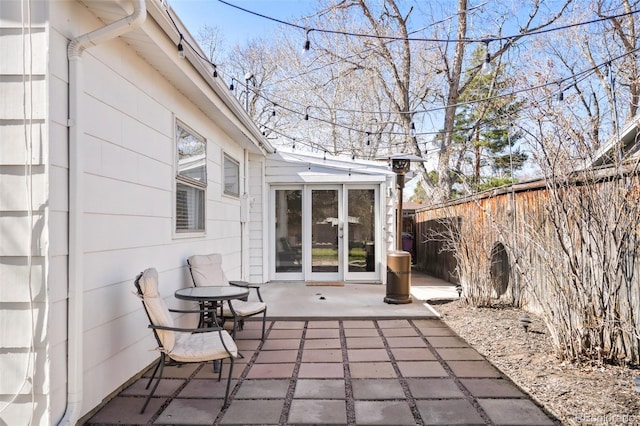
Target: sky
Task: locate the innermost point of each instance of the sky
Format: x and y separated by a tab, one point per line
237	25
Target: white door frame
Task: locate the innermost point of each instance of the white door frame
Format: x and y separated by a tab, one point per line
343	268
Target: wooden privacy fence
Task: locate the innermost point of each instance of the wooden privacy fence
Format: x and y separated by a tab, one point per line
566	250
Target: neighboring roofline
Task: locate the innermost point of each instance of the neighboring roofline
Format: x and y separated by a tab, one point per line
627	137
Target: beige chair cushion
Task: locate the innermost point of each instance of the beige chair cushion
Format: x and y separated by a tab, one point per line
243	308
207	270
156	307
202	346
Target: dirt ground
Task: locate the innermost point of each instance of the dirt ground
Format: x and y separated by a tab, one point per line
585	394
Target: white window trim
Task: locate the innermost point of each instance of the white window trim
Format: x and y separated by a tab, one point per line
177	179
225	156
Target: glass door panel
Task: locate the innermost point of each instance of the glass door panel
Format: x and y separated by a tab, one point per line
288	241
361	230
326	234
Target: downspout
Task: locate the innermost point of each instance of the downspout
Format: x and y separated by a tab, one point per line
75	323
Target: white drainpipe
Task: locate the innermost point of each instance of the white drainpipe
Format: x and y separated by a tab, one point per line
75	366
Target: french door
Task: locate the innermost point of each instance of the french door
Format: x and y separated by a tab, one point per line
326	233
324	247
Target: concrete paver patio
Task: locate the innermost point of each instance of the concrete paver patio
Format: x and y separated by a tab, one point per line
411	369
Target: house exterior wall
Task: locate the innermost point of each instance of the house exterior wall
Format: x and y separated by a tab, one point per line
258	202
127	218
129	206
29	218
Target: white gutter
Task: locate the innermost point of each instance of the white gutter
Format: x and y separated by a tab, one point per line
75	323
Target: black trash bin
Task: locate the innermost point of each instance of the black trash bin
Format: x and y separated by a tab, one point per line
398	277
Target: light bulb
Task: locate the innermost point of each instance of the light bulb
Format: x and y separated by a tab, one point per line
486	66
307	44
412	130
180	48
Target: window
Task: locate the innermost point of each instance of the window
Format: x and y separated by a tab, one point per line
231	176
191	180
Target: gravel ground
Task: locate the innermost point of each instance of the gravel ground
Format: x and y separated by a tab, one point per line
575	394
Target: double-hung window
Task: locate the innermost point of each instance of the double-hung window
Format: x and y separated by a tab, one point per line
191	180
231	176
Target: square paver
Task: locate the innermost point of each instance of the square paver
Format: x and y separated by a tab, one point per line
383	413
406	342
181	371
166	387
514	411
209	373
190	411
473	369
269	357
263	389
247	345
320	389
459	354
322	355
434	388
271	371
358	324
279	344
367	370
322	344
126	410
447	342
448	412
361	332
396	323
285	334
249	334
492	388
422	369
377	389
323	324
256	323
399	332
319	370
322	333
318	411
288	325
261	412
364	342
437	331
412	354
206	388
359	355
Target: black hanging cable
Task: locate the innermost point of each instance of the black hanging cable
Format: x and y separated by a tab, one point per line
436	40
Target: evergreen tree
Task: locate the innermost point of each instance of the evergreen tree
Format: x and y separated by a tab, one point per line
486	154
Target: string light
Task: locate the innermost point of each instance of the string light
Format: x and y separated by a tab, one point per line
231	86
486	66
180	47
573	77
306	113
412	130
307	43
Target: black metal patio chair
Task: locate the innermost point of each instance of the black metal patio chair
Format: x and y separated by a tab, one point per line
181	345
206	270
